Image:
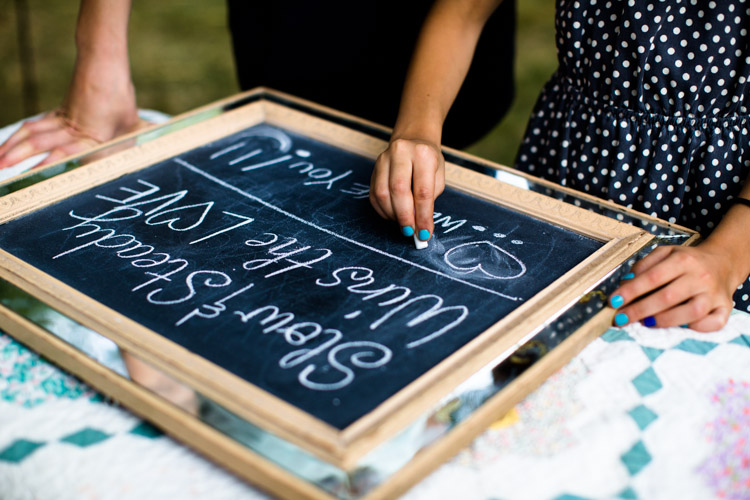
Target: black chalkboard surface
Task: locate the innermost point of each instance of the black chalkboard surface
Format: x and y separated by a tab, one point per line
260	252
233	258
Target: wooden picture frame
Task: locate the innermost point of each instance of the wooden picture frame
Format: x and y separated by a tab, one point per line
342	448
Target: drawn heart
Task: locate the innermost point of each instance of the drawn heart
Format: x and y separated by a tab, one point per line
490	260
188	212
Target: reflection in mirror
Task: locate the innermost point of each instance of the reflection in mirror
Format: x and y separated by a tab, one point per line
370	472
160	383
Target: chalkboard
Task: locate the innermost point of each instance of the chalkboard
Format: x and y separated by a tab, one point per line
261	253
254	248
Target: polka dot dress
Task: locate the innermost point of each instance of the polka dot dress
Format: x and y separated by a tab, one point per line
648	108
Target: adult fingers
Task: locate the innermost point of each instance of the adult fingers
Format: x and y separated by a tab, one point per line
426	166
657	255
35	144
659	301
661	269
713	321
44	124
402	201
440	178
380	194
701	310
65	150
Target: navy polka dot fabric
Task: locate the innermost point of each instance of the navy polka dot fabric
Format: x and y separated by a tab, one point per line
648	108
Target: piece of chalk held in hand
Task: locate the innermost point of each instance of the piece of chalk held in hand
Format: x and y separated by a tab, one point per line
421	245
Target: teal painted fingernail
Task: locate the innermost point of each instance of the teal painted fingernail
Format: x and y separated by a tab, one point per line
616	301
407	230
628	276
685	326
424	235
649	321
621	319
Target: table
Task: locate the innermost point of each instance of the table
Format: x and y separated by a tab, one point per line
640	413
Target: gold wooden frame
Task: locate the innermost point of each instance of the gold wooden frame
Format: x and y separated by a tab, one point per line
344	448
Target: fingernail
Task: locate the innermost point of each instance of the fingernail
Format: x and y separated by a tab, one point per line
424	234
685	326
407	230
649	321
616	301
621	319
628	276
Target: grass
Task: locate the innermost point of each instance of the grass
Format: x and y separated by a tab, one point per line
181	58
179	50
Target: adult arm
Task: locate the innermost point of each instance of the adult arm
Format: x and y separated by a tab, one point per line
100	102
691	285
409	174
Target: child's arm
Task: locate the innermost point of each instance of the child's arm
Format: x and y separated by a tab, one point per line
691	285
409	175
100	103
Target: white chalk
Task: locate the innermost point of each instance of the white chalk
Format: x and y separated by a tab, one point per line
421	245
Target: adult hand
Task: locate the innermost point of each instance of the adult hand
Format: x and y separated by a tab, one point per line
676	285
408	176
96	110
52	133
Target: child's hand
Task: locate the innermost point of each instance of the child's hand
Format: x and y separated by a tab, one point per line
407	178
676	285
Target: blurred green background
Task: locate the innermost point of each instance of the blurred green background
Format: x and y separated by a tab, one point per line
181	58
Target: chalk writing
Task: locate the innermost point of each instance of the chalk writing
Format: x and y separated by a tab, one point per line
260	252
215	309
400	298
244	221
445	221
305	332
358	190
279	254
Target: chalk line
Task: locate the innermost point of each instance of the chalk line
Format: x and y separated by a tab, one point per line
227	150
